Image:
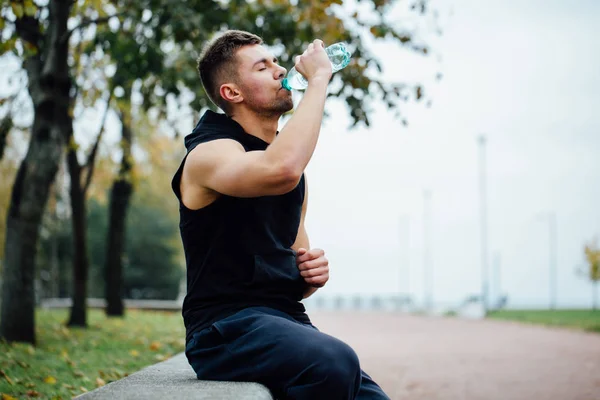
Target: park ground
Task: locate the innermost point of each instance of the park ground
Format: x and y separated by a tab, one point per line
511	355
66	362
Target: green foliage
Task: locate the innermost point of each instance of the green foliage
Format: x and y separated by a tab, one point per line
151	266
577	319
151	269
97	224
55	255
157	42
68	362
152	45
592	256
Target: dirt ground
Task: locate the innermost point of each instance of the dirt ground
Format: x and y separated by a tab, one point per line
418	358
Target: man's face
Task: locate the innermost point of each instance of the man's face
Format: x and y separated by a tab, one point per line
259	78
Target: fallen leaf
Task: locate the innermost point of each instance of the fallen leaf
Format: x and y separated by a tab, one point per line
3	374
160	357
64	353
100	382
30	350
67	386
78	374
154	346
23	364
8	397
84	390
50	380
30	385
33	393
134	353
101	373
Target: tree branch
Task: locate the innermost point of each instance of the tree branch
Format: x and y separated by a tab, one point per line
6	123
5	127
87	22
78	68
91	161
28	29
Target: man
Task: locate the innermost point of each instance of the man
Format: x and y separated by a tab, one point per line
243	197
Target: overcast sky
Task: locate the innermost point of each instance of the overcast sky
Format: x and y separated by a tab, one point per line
527	75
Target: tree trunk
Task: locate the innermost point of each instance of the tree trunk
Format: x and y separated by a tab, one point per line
49	87
80	257
78	195
119	201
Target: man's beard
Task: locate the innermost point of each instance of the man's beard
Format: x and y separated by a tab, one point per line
276	108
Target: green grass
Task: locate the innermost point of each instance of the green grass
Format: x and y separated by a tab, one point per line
588	320
67	362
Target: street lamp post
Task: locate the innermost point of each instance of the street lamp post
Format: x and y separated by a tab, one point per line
404	262
483	215
497	280
427	264
552	259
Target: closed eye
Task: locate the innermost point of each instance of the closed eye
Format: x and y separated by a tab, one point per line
262	64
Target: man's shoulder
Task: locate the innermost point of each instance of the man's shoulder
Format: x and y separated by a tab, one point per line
209	133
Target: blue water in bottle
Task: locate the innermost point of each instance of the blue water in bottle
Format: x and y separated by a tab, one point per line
338	55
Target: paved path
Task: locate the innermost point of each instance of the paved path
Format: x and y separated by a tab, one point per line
418	358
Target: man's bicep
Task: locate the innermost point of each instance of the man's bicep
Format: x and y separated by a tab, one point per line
225	167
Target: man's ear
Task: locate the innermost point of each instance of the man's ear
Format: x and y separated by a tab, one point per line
231	92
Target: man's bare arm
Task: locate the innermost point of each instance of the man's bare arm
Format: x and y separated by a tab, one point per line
224	167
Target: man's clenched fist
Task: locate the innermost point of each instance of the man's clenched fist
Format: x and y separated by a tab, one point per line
313	266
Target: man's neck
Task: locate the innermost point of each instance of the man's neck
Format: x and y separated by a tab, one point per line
257	125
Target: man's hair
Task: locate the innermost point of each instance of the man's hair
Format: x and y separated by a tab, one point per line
217	63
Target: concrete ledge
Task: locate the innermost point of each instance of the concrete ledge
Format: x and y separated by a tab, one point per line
175	379
155	305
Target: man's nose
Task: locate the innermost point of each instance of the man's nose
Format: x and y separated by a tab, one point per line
281	72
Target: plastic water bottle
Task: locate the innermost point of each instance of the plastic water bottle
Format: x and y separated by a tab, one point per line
338	55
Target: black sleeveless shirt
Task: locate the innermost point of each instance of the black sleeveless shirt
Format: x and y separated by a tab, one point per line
237	250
